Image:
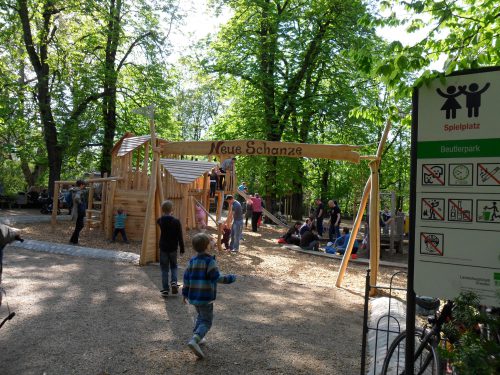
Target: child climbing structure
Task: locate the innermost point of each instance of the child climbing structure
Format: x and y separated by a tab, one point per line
147	170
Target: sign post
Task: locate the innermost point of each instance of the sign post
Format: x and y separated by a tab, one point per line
455	239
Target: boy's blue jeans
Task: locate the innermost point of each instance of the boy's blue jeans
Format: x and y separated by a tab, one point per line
168	260
204	319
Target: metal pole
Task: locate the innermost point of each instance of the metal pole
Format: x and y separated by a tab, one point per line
365	322
410	293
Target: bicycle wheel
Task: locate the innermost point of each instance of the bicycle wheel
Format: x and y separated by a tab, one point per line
427	363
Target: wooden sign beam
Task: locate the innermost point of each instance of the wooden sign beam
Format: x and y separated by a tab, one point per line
262	148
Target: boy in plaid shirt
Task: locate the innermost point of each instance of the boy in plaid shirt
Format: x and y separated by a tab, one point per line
200	288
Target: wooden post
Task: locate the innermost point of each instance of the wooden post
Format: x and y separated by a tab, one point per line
158	202
90	208
375	211
219	235
150	209
55	206
184	210
354	233
109	210
104	192
220	201
145	168
159	185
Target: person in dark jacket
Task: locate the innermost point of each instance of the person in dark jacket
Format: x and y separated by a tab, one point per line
170	240
319	215
310	240
292	236
81	206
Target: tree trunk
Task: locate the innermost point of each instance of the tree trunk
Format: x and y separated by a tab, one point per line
324	183
31	177
38	57
109	85
297	205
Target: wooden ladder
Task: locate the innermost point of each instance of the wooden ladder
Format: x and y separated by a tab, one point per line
94	211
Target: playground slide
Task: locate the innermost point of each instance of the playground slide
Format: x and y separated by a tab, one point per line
264	211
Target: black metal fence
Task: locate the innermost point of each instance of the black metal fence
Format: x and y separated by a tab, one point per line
380	327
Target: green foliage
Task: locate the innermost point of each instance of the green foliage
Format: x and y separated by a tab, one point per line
472	352
464	32
71	42
10	178
295	70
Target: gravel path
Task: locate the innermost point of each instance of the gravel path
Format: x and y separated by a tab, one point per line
87	316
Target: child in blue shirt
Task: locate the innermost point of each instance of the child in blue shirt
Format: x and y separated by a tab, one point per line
340	244
200	288
120	218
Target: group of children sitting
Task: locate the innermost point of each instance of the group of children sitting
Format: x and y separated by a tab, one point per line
306	236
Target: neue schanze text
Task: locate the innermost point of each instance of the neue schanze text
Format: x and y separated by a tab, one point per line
254	148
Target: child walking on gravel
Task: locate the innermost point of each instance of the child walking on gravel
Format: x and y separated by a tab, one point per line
170	240
200	288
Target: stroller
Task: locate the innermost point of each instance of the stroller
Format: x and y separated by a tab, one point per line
47	205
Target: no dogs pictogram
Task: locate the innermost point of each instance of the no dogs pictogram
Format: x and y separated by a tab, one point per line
488	174
432	209
431	244
433	174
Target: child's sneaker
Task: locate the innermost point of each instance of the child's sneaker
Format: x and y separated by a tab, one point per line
175	288
164	293
203	341
195	348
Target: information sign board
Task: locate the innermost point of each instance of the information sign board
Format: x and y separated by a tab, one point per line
456	169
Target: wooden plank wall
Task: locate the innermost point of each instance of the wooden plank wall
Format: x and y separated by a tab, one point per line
134	203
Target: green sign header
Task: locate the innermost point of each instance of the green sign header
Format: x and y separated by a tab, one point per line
469	148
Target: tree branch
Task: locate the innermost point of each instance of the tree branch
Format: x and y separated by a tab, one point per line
23	12
131	47
80	108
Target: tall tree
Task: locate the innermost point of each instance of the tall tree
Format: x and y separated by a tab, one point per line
287	52
75	53
130	25
39	32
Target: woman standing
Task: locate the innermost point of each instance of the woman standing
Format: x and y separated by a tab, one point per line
256	211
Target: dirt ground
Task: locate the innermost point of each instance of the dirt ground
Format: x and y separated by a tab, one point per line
87	316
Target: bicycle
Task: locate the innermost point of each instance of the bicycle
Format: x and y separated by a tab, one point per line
10	314
426	358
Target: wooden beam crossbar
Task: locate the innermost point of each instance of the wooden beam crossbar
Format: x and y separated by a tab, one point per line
262	148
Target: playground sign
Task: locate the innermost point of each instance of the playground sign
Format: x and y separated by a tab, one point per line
456	177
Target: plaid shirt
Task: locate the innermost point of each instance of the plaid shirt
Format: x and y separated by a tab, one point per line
201	278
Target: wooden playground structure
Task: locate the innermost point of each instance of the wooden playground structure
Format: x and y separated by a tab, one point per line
146	171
